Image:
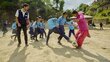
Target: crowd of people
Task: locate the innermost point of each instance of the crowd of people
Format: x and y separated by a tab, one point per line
56	25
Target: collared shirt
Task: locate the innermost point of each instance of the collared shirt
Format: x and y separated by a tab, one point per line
14	25
42	25
52	23
39	24
34	25
61	20
70	25
17	13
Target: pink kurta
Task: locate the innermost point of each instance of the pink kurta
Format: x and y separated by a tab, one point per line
82	22
83	29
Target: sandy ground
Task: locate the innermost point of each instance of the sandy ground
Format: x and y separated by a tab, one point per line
95	49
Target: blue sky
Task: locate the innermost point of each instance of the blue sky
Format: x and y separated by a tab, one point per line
73	4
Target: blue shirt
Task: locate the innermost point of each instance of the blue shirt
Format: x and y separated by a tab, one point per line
52	23
61	20
39	24
14	25
34	25
70	24
42	25
31	25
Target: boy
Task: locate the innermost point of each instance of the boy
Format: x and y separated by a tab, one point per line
14	31
42	29
60	23
101	26
71	28
31	32
52	28
4	28
37	27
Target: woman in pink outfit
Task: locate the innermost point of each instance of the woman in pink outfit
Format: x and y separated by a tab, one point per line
83	28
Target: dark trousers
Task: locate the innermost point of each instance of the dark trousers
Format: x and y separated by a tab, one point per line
71	32
42	34
101	27
37	32
59	31
55	30
14	32
19	33
4	29
62	33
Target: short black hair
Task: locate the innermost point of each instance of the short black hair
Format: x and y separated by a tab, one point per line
39	16
64	13
25	5
74	12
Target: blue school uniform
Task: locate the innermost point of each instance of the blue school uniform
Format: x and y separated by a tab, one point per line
61	22
14	25
42	25
34	25
70	25
71	28
52	23
31	29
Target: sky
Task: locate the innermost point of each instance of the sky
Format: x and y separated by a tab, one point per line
73	4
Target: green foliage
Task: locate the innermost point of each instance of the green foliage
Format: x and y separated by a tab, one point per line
104	14
69	13
42	8
61	5
83	7
95	10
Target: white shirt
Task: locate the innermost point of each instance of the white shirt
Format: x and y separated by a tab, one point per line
17	13
34	25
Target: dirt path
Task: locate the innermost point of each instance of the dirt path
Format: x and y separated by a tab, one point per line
95	49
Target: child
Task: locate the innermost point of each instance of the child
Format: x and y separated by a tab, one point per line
31	32
52	28
14	31
71	28
36	27
4	28
42	29
101	26
60	23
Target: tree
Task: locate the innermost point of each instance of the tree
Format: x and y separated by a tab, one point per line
83	7
61	5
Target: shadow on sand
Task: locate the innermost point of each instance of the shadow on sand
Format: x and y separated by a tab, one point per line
80	53
38	44
18	56
12	42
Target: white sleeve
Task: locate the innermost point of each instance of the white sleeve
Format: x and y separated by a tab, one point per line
28	15
17	13
33	25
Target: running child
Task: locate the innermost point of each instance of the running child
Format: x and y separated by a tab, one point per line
52	28
60	23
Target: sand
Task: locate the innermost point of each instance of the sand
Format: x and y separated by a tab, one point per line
95	49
